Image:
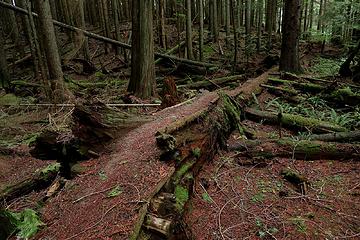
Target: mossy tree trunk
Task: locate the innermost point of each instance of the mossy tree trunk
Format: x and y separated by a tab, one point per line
142	82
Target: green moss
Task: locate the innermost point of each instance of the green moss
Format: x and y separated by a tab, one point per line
9	99
182	196
196	152
51	169
25	223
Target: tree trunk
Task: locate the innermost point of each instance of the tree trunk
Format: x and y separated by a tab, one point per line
189	30
162	24
289	59
117	25
51	51
85	43
259	24
4	72
228	22
201	29
142	82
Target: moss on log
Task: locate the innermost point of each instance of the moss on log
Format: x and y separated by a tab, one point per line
301	150
336	137
294	121
305	87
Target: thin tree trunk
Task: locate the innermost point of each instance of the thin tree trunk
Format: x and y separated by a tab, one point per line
85	47
235	35
4	71
189	30
259	24
228	21
201	29
162	24
117	25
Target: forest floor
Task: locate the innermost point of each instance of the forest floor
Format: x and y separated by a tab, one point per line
235	193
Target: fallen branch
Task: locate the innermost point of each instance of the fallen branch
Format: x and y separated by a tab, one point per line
294	121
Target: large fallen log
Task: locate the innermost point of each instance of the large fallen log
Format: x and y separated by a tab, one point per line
336	137
294	121
108	40
301	150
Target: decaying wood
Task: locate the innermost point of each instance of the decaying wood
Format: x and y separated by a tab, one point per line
305	87
109	40
294	121
40	180
301	150
157	224
172	51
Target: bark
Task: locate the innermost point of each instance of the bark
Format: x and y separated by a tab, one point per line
305	87
4	71
235	36
349	137
189	30
300	150
162	24
259	24
294	121
228	21
289	58
51	51
82	25
201	29
345	70
142	82
10	24
117	24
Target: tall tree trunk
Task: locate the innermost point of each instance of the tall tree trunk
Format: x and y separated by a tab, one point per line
189	30
311	15
142	82
228	21
4	71
162	24
82	24
321	11
247	16
259	23
12	24
51	51
117	24
201	29
233	12
289	59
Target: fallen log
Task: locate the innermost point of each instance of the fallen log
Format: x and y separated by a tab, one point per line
294	121
285	90
171	51
107	40
336	137
300	150
305	87
214	82
40	180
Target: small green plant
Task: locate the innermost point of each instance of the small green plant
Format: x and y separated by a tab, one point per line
258	197
206	197
50	169
102	175
25	223
300	224
181	195
264	230
116	191
196	152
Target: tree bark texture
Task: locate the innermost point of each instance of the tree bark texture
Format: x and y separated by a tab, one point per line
289	59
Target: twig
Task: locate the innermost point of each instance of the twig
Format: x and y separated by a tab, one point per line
94	193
